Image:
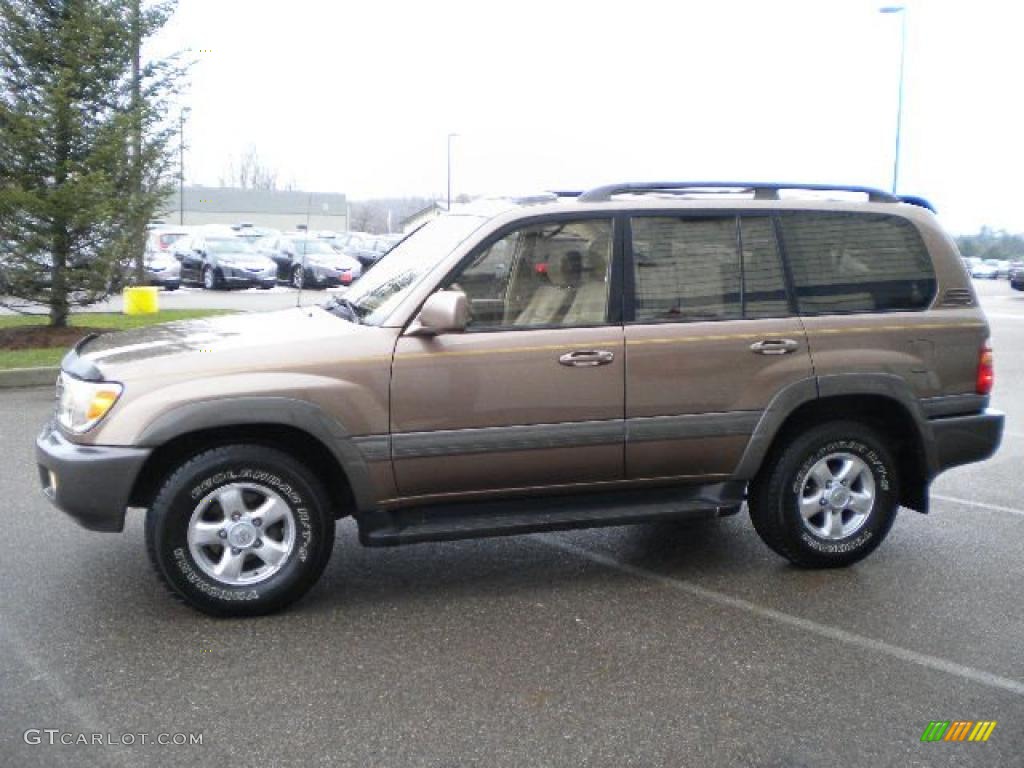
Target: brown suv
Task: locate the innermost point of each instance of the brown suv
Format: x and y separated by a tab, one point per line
632	353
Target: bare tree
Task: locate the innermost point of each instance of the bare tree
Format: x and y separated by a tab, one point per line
249	172
376	215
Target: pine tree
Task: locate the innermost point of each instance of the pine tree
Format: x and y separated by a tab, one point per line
77	185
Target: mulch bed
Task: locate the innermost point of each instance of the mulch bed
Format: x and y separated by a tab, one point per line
42	336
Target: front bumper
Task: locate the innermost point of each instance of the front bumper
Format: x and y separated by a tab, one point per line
326	276
966	439
91	483
241	276
163	277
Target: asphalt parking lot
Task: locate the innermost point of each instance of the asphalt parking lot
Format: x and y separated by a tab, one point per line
658	645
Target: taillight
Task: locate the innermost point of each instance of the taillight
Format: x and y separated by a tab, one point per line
986	370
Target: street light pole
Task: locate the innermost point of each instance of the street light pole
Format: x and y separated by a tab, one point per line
902	11
450	137
181	165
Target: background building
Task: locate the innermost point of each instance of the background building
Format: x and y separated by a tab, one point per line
422	216
278	209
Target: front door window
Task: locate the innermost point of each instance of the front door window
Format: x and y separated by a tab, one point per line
553	275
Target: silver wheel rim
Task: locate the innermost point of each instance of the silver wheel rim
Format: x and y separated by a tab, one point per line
837	496
241	534
208	278
298	278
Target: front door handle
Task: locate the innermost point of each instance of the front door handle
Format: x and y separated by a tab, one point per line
774	346
586	358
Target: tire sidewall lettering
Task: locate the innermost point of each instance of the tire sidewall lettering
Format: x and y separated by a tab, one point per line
195	579
857	448
883	483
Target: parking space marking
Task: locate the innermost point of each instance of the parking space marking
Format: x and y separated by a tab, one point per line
935	663
1004	316
979	504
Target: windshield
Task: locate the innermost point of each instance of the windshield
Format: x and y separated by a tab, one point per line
313	247
384	287
228	245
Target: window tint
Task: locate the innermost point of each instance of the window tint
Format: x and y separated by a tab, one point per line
856	262
764	287
545	275
686	269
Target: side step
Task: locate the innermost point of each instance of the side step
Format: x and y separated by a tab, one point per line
508	517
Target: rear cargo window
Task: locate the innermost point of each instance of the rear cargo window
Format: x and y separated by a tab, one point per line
856	262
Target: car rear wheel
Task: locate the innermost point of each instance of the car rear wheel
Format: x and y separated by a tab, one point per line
240	530
298	277
828	497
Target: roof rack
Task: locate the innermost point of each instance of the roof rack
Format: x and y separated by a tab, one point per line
763	190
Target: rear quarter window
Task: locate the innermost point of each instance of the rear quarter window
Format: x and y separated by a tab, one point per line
856	262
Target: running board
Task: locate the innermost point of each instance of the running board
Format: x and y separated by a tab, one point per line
509	517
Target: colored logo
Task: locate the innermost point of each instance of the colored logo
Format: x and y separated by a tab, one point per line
958	730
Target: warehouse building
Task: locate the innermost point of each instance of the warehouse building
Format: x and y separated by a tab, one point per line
276	209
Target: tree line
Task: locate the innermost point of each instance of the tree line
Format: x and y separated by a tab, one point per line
989	243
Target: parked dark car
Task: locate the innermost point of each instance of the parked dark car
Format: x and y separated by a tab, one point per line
1017	275
222	260
309	262
368	249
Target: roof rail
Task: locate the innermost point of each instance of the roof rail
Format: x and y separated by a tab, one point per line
763	190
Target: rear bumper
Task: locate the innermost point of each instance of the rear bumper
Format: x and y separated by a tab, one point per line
966	439
90	483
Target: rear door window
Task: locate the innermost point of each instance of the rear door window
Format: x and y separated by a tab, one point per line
706	268
856	262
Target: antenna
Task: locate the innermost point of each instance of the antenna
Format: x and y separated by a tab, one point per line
309	207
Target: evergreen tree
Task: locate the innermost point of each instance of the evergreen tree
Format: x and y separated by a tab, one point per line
85	146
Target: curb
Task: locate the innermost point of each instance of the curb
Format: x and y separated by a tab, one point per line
28	377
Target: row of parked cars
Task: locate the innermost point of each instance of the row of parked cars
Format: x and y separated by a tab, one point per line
245	256
995	269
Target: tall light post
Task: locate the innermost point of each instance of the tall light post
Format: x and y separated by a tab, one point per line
450	137
902	11
181	164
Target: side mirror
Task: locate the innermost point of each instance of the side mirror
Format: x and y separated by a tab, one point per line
443	312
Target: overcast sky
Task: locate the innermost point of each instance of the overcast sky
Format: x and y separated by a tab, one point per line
358	97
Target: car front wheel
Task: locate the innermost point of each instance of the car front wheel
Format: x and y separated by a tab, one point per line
240	530
210	280
828	497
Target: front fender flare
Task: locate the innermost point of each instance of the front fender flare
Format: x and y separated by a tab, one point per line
285	411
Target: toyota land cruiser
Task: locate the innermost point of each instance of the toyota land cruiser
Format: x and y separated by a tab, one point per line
630	353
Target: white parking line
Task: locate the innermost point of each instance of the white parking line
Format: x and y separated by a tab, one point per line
979	504
823	630
1004	316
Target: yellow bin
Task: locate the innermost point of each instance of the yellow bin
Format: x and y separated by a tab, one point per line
141	300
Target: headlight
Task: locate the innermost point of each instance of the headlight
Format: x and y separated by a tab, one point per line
81	405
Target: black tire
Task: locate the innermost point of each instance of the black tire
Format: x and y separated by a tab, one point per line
211	280
774	505
298	278
167	525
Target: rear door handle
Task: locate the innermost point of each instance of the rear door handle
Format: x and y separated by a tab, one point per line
586	358
774	346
